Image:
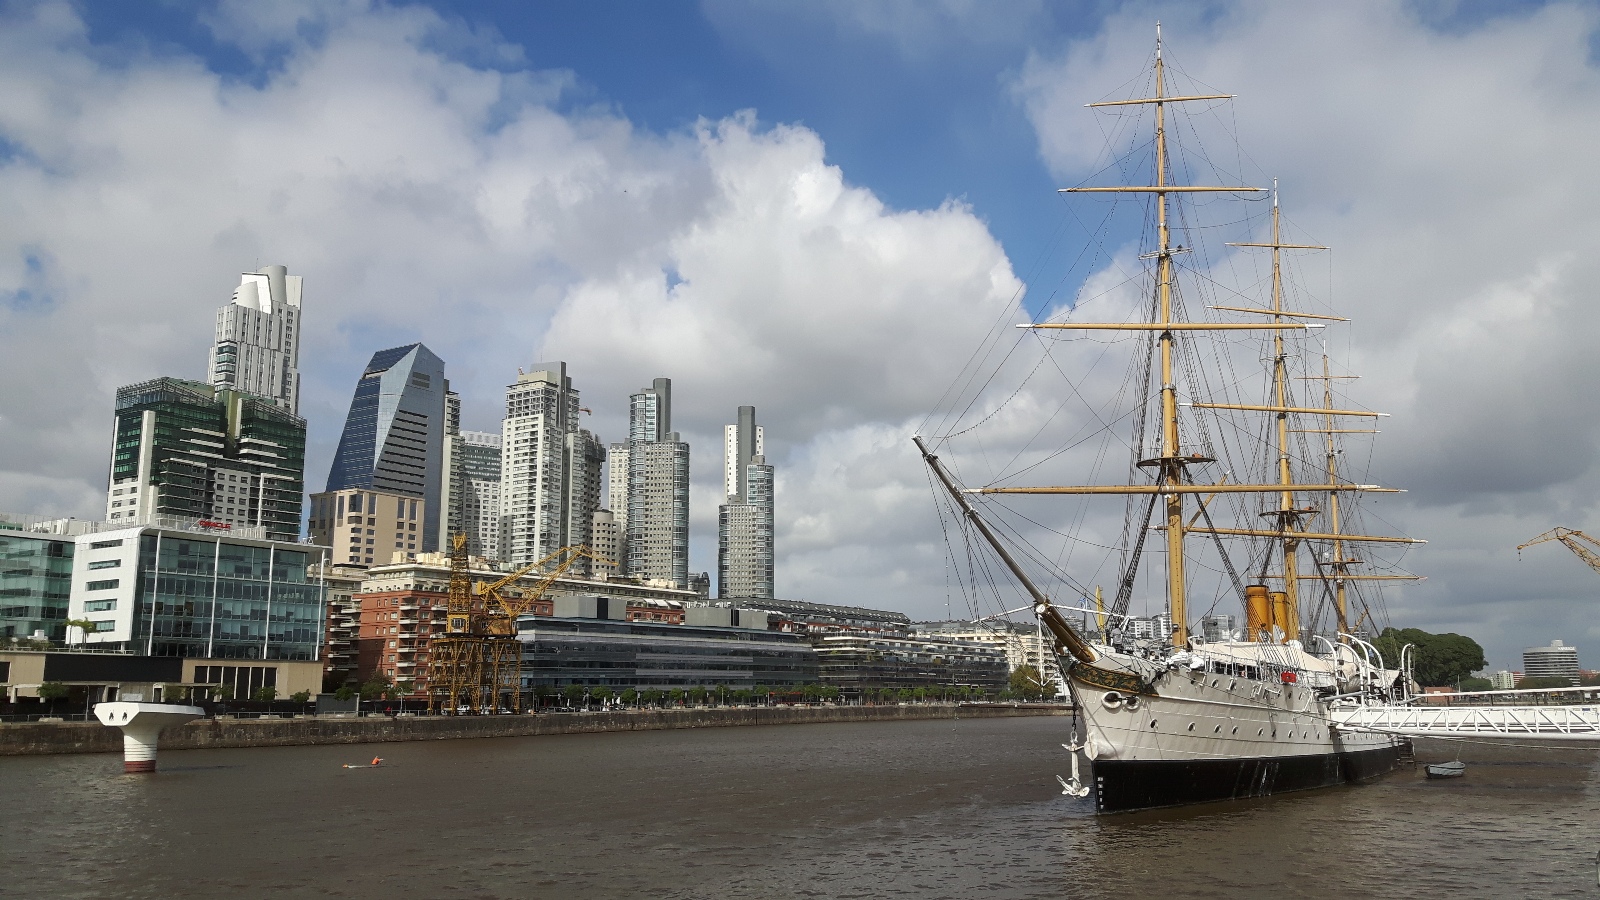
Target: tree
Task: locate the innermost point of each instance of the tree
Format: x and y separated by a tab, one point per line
697	695
345	692
1027	683
630	696
1590	681
601	694
375	687
919	694
676	696
266	694
301	696
1441	659
405	688
573	693
85	625
1476	684
52	692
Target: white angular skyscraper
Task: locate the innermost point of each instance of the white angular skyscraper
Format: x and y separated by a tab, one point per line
257	348
550	469
745	523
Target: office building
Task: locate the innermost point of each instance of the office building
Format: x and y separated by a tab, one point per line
745	521
1503	680
35	581
196	589
656	536
186	450
600	651
1555	661
550	469
802	617
257	347
394	436
365	528
341	622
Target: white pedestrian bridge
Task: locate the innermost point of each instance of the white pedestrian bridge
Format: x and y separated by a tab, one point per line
1562	714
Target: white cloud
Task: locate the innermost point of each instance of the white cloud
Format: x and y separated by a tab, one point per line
427	197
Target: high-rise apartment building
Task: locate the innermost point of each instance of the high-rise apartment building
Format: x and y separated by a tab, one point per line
394	435
606	542
1555	661
367	528
550	469
190	451
257	348
478	497
745	524
656	543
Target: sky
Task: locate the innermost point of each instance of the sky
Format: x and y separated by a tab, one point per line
822	210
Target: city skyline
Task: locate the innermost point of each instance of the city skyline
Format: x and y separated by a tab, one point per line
718	207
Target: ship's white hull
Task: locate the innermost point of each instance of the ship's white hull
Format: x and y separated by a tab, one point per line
1190	736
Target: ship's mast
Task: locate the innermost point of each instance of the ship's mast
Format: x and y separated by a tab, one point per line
1288	516
1173	480
1340	564
1171	457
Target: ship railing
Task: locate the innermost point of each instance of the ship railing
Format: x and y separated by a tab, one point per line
1567	696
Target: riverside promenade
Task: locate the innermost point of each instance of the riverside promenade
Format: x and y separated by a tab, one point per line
35	738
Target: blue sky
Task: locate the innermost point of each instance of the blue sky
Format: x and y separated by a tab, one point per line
514	182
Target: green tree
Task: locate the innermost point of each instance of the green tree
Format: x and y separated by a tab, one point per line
574	694
375	687
52	692
722	694
301	697
601	694
265	694
1476	684
919	694
405	688
1543	682
905	695
630	696
697	695
86	625
1590	681
1027	683
345	692
1441	659
830	692
676	696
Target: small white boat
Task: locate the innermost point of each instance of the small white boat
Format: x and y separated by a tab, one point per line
1454	769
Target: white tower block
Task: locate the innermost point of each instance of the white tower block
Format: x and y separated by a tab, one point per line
141	725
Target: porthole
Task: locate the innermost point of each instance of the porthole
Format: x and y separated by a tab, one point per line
1217	730
1235	729
1260	732
1152	723
1191	726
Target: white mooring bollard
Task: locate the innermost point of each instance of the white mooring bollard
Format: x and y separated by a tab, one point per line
141	725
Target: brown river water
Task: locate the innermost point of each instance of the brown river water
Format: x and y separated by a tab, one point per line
924	809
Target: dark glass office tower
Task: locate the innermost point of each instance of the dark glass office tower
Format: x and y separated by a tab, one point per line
187	450
394	436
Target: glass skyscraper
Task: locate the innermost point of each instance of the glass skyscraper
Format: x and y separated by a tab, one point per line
394	435
656	523
184	450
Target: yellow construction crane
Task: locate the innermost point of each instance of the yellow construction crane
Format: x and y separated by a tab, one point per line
1575	541
476	664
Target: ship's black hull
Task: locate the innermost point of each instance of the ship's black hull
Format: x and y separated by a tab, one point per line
1128	785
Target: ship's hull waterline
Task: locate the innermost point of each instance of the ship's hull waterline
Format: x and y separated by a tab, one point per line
1200	737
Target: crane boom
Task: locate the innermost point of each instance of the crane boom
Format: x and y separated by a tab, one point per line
1575	541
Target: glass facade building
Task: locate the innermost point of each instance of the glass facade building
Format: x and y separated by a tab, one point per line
394	435
645	655
35	583
197	593
187	450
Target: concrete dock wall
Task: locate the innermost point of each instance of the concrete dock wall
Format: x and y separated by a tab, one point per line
26	738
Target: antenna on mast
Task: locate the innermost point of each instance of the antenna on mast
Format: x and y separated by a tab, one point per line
1158	39
1274	195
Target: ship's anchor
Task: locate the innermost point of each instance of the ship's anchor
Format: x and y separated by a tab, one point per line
1073	788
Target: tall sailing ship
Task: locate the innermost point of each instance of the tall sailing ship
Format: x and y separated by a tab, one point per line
1179	719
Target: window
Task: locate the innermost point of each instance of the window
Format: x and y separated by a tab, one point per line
108	584
103	625
100	606
105	564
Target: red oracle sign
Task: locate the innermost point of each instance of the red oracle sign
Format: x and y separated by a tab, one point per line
207	523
